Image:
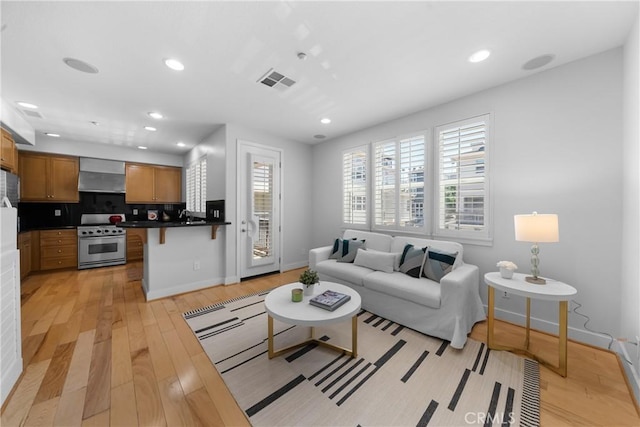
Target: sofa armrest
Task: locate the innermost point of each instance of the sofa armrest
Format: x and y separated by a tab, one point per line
318	254
461	284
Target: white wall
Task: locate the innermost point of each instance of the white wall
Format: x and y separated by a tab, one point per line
102	151
557	148
630	289
296	198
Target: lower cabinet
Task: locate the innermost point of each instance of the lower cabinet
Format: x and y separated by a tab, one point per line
58	249
135	244
24	245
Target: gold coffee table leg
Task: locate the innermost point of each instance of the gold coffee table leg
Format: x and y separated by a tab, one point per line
562	337
270	335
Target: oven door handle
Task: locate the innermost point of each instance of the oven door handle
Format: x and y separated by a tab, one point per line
102	237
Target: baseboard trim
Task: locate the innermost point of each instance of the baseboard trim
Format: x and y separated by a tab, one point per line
580	335
295	265
631	373
182	289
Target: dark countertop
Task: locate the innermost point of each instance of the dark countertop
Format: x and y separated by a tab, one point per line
162	224
54	227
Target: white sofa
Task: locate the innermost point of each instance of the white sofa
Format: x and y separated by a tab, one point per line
446	310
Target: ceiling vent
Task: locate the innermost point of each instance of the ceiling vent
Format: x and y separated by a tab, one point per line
276	80
32	113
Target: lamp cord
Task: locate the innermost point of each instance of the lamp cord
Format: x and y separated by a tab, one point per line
575	310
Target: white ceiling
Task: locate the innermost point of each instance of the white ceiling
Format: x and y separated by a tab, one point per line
367	62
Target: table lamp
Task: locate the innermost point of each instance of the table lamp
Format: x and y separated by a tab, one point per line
536	228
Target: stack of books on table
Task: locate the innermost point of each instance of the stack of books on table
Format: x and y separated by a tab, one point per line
329	300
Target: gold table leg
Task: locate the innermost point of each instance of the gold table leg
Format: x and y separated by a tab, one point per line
562	336
353	352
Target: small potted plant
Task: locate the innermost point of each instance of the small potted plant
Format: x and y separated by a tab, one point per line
506	269
309	278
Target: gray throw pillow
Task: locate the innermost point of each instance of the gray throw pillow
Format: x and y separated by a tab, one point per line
412	260
349	250
438	263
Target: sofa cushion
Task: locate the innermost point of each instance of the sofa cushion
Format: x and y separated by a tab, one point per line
375	260
349	272
412	260
376	241
421	291
399	242
438	263
345	250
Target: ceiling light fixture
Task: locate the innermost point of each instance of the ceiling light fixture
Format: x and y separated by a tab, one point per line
325	121
93	122
142	147
26	104
155	115
301	56
174	64
181	144
319	136
479	56
538	61
150	128
79	65
54	135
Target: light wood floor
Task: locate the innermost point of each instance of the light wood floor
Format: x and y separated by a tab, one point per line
95	353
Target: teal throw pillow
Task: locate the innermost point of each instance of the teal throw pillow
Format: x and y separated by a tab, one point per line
349	250
412	260
438	263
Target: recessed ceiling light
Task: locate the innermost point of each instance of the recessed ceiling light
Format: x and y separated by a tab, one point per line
155	115
150	128
174	64
325	121
538	61
181	144
27	104
319	136
479	56
54	135
79	65
142	147
94	123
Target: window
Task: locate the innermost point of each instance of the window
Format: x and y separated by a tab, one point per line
399	183
462	186
354	186
197	186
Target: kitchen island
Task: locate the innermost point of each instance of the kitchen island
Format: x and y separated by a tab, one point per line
181	257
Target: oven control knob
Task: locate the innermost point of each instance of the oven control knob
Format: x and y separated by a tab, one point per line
98	231
91	232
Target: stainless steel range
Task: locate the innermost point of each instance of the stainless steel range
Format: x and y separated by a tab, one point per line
100	243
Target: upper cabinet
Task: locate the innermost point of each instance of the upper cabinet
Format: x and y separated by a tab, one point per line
9	157
153	184
48	178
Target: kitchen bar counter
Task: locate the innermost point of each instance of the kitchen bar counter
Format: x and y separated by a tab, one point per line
163	225
188	258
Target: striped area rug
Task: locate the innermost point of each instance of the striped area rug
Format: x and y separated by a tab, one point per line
400	377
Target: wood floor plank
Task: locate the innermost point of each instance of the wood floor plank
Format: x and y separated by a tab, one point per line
72	327
43	413
162	363
65	311
203	409
50	343
70	408
148	402
30	346
185	369
176	409
78	374
189	340
45	322
54	379
161	316
99	384
17	408
98	420
123	406
121	371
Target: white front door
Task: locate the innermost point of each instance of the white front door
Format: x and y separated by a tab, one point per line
259	209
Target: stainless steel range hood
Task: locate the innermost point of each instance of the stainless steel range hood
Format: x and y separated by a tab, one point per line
101	176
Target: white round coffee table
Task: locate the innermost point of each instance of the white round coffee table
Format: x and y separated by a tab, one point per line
279	306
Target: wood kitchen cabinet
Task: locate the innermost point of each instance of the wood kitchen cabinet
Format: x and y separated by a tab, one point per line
24	245
9	153
58	249
135	243
48	178
153	184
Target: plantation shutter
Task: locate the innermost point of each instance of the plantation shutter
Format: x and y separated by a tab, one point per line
399	196
462	177
354	187
197	186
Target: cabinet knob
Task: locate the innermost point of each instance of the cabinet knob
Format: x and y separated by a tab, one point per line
59	251
59	233
59	241
59	262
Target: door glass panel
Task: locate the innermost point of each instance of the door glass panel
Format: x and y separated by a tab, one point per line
262	177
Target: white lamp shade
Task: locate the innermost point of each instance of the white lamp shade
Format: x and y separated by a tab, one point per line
537	228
